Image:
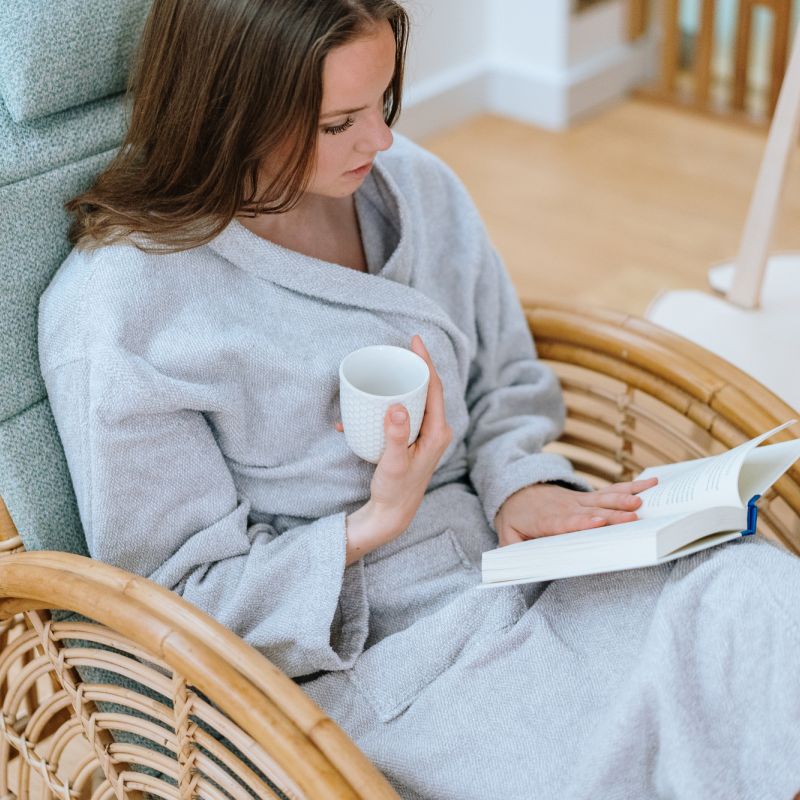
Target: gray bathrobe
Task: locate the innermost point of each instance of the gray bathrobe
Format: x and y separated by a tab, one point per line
196	395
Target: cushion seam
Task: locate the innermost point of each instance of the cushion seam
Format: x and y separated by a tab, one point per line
60	166
25	410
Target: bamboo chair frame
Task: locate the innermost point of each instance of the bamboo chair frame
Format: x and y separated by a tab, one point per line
636	395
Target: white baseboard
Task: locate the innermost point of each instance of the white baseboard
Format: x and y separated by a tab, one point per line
547	100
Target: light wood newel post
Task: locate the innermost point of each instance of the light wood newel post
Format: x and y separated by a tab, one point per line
742	51
704	52
670	49
638	18
781	21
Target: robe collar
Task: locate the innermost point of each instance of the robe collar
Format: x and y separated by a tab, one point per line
390	290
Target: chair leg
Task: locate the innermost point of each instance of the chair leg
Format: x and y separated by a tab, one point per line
754	245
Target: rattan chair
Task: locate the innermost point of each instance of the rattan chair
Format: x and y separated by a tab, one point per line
188	710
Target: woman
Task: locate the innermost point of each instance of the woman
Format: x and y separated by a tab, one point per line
258	224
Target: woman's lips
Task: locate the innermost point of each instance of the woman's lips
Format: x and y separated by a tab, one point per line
362	170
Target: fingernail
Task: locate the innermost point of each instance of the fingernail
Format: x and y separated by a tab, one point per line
595	520
398	416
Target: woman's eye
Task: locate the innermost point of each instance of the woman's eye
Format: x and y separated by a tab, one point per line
340	128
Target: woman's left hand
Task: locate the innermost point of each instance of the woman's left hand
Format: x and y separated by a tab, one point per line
546	509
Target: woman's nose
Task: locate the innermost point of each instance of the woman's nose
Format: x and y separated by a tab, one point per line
379	136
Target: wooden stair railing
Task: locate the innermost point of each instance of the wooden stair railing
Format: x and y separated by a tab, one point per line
781	21
693	88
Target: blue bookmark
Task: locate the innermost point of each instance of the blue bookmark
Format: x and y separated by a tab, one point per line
752	516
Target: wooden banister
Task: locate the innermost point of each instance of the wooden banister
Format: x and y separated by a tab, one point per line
704	52
696	90
638	18
781	20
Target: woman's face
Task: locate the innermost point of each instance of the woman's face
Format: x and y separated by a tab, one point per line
352	129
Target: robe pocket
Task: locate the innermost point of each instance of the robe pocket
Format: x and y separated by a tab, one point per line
392	673
427	560
406	583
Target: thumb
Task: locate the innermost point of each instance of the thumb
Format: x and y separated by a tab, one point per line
418	346
396	426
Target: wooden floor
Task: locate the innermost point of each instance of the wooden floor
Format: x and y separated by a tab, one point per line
634	200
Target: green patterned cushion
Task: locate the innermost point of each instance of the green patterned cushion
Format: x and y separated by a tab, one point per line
35	483
42	165
56	55
32	148
33	243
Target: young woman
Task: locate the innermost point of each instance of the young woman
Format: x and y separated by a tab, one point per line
259	222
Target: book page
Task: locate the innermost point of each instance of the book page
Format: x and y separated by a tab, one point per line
626	545
615	547
701	544
713	481
692	485
764	465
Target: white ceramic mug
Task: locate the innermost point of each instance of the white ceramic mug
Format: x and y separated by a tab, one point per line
371	380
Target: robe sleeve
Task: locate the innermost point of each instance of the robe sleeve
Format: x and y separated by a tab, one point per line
156	498
514	400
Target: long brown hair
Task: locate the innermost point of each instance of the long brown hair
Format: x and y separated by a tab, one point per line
217	87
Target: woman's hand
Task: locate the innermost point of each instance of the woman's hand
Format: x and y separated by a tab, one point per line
546	509
404	471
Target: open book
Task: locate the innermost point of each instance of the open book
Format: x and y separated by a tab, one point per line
695	504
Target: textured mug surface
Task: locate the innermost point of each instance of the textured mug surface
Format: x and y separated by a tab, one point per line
371	380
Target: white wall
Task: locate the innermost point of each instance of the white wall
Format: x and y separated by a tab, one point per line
445	35
529	35
528	59
446	74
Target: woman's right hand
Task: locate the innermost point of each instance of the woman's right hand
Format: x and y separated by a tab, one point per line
404	471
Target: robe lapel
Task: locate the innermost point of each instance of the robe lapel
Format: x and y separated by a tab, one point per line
391	291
